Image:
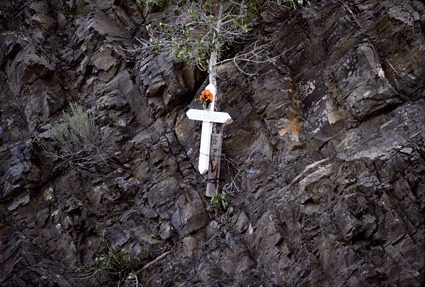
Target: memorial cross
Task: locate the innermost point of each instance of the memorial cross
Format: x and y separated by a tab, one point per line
208	117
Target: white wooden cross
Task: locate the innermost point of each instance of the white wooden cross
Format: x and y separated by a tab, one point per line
208	117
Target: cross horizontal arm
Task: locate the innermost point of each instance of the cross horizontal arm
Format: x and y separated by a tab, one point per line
208	116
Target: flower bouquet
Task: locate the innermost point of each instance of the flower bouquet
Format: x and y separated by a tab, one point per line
206	98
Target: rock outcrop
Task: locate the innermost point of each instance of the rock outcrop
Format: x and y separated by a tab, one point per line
323	166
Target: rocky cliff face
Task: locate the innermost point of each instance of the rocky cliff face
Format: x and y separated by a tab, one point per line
323	166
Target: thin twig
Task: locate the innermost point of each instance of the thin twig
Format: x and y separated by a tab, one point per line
308	168
248	57
160	257
232	187
389	63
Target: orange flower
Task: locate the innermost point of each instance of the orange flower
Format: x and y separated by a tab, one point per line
209	95
206	98
206	95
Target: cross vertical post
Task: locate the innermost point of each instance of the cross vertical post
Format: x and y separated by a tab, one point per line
208	124
207	127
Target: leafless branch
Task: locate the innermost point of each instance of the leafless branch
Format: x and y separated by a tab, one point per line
254	56
162	256
232	187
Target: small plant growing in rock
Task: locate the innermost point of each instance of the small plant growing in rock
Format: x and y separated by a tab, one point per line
219	201
118	264
78	141
150	3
